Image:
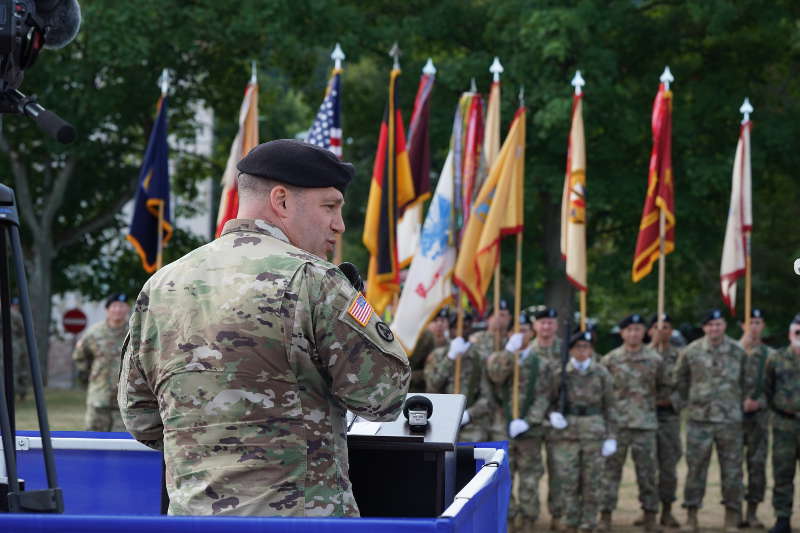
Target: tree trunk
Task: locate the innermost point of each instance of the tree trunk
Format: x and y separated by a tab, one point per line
558	292
39	285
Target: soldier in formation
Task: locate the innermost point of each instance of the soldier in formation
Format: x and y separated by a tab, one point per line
246	353
19	349
433	336
638	375
97	361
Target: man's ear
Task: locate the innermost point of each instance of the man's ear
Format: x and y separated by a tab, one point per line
277	200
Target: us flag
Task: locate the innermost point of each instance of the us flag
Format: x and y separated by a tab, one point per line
360	310
326	131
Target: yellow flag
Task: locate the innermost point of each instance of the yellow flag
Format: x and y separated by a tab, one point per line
497	212
573	201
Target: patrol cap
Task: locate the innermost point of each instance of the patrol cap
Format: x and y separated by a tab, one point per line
587	336
116	297
757	313
547	312
297	163
664	318
714	314
631	319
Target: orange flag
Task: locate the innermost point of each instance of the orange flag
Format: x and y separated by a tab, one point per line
573	201
660	193
496	212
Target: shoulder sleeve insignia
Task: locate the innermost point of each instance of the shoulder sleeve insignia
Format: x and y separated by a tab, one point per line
360	310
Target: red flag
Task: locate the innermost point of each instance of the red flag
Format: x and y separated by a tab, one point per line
660	193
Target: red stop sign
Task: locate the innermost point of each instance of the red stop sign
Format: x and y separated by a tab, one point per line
74	321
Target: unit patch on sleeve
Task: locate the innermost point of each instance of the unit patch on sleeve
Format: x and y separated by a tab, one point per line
360	310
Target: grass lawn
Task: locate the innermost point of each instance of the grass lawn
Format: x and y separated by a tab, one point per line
65	410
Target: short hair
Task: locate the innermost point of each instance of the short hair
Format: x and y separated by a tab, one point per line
250	186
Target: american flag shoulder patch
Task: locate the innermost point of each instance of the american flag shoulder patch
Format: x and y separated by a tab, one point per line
360	310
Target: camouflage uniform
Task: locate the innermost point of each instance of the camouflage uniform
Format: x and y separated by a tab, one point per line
526	449
668	435
755	427
440	377
97	360
244	356
782	390
592	418
19	348
712	383
425	345
637	377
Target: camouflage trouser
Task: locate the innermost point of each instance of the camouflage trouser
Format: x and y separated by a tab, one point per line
669	451
527	469
103	419
755	431
554	504
700	437
785	455
578	467
642	443
497	430
475	431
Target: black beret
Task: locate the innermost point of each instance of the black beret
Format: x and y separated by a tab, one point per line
116	297
631	319
444	312
547	312
714	314
756	313
297	163
581	336
796	319
503	307
524	319
664	318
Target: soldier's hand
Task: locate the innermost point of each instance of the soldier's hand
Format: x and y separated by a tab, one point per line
457	347
517	427
557	420
609	447
514	342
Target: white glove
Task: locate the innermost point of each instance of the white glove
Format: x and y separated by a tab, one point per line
557	420
514	342
609	447
465	418
457	347
517	427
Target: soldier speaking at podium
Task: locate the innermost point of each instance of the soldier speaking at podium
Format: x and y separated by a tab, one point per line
245	353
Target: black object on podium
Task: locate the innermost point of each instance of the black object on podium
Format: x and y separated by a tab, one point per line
399	473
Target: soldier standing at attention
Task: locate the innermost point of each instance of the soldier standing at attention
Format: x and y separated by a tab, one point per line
19	347
712	381
97	359
432	337
668	435
245	354
584	433
526	432
782	390
755	426
638	375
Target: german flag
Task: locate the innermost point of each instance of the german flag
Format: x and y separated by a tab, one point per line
151	208
391	189
660	191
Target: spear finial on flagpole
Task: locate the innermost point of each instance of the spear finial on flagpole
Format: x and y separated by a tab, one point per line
496	69
338	56
745	110
253	72
163	82
429	69
578	82
473	88
395	54
666	77
521	96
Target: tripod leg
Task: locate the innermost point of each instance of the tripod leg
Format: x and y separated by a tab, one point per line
8	354
6	404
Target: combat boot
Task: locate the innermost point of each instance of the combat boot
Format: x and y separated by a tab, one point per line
515	525
649	524
692	525
667	520
605	521
782	525
555	524
752	518
528	526
731	520
570	529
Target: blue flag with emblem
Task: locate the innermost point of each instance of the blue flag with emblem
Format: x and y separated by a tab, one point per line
151	226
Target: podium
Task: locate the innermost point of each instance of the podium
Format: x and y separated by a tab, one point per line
397	473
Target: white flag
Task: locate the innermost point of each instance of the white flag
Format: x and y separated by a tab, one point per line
428	286
740	222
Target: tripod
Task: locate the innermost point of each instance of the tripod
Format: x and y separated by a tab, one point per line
48	500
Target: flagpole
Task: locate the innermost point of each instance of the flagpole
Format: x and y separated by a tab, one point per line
337	56
666	78
745	110
163	82
578	82
517	301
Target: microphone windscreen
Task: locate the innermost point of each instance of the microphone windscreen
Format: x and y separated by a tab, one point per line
351	273
415	403
63	19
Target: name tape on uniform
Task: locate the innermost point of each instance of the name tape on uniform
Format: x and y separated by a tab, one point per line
360	310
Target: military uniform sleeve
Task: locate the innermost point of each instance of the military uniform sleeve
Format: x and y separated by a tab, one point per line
541	402
682	378
438	369
747	380
83	357
138	404
664	380
609	406
368	368
769	379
